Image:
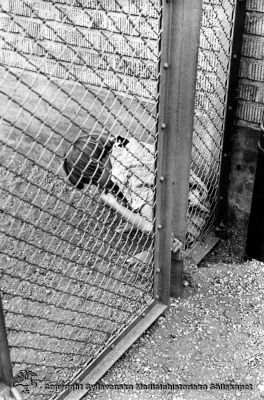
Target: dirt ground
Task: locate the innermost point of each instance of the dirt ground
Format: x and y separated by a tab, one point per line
213	335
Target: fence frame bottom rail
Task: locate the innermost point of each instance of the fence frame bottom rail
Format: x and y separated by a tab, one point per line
201	249
97	368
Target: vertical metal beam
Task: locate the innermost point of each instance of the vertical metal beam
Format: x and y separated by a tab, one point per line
179	55
5	362
164	189
237	40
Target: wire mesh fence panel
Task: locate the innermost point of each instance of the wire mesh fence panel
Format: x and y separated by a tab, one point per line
210	106
78	99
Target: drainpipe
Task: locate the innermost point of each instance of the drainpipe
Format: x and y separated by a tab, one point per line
255	234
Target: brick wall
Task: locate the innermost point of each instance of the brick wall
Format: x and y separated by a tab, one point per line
250	113
251	85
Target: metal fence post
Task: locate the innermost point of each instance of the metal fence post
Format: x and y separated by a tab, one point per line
255	233
181	21
5	362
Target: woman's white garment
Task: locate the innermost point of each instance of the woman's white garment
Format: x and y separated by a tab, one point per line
133	170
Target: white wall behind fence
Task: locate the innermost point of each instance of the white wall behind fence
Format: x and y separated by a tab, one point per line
90	39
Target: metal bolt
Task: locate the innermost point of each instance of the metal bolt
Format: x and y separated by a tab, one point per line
157	297
158	270
143	315
159	226
166	66
112	346
230	108
163	125
235	56
162	178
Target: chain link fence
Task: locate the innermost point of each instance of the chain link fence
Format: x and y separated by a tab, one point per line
76	74
214	60
70	277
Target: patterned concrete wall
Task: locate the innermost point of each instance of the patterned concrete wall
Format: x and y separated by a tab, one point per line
87	37
90	39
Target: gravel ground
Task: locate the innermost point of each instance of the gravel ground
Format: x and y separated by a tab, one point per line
214	334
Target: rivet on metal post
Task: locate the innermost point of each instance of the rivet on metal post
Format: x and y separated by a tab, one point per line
159	226
163	125
162	179
158	270
166	66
